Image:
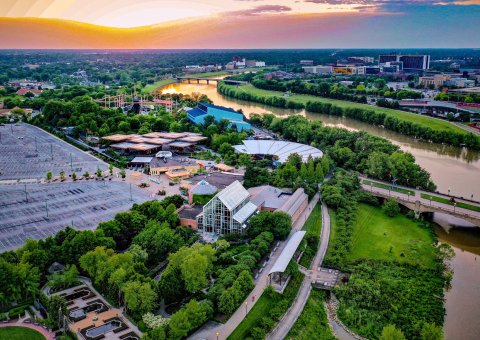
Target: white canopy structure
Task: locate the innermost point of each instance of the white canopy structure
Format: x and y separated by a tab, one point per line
287	253
281	149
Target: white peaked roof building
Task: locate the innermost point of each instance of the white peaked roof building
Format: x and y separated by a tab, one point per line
280	149
228	211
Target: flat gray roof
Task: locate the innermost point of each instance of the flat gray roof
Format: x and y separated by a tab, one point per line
287	253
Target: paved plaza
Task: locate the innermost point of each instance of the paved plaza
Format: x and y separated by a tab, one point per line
27	152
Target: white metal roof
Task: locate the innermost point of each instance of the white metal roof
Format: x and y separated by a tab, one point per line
281	149
233	195
243	214
287	253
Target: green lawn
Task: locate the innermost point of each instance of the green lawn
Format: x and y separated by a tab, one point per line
20	333
312	322
385	186
333	231
263	317
379	237
313	226
149	88
447	201
433	123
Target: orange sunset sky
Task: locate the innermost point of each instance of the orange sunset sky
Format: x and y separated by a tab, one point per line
238	23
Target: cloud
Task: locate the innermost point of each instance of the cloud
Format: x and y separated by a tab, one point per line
259	10
394	4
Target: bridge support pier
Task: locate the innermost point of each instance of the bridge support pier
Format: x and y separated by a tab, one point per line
417	209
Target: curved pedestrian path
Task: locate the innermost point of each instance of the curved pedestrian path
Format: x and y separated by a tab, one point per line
291	316
47	334
261	282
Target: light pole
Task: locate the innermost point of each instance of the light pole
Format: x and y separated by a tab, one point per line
471	197
448	191
131	198
26	197
46	207
217	334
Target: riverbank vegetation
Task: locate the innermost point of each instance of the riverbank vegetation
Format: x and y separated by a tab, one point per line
396	273
358	151
410	124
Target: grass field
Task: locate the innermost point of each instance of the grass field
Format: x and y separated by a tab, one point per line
385	186
312	322
333	231
447	201
379	237
149	88
20	333
268	310
433	123
313	226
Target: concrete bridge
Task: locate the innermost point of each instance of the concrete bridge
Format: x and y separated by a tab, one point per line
208	80
415	202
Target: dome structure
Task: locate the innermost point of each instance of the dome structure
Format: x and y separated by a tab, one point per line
280	149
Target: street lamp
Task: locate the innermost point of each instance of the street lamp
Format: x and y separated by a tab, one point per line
217	334
448	191
471	197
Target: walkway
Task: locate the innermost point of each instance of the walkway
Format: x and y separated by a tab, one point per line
47	334
261	282
416	202
291	316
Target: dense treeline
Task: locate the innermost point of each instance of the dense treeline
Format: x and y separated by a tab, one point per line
294	173
357	151
365	115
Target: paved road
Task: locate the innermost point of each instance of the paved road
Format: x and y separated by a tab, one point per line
289	319
260	283
468	128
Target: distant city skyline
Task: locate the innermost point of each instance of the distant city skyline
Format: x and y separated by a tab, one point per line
239	23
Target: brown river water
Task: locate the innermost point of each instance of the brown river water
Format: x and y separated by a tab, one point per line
457	169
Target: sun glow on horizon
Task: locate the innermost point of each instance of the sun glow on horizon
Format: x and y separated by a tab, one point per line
128	14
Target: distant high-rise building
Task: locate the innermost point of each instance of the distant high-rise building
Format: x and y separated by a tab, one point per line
410	62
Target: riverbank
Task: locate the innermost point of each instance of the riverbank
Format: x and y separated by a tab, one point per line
149	88
395	275
411	124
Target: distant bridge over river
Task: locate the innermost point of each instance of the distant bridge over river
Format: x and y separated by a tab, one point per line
421	201
208	80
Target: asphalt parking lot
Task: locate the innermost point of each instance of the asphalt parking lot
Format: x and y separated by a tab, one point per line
47	208
27	152
37	210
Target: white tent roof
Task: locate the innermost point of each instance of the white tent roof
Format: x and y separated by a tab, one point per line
281	149
287	253
233	195
243	214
